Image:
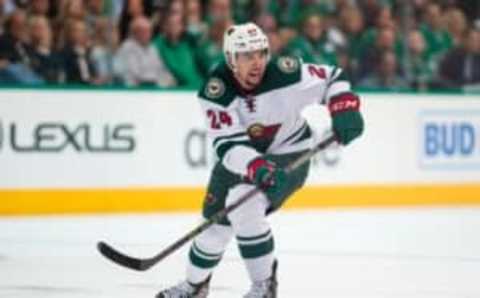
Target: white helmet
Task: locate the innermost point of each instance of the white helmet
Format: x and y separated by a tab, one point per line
243	38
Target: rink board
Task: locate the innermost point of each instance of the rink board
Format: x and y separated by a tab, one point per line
16	202
118	151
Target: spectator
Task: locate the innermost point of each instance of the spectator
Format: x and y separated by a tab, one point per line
386	74
267	22
175	7
461	66
312	44
105	43
95	7
352	25
137	62
45	62
15	63
210	51
219	9
276	44
383	21
385	41
196	27
287	13
72	9
93	11
39	8
438	39
77	60
418	67
131	10
370	10
175	49
456	25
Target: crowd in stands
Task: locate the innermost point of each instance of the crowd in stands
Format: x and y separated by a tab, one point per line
387	44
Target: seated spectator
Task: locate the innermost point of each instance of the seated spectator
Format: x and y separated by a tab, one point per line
287	13
93	12
77	60
456	25
438	39
370	10
218	10
351	25
15	63
95	8
210	52
267	22
386	74
383	20
69	10
276	45
461	65
137	62
385	41
175	49
195	26
418	67
72	9
38	8
45	62
105	43
131	10
312	44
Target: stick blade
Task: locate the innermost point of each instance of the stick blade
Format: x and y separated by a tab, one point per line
120	258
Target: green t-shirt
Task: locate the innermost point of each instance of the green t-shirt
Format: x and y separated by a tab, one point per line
368	40
180	60
438	42
207	55
319	52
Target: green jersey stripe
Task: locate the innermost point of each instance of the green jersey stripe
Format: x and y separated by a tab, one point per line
295	134
235	135
198	261
250	238
205	254
257	250
307	133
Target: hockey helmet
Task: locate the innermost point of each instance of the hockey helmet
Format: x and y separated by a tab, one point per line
243	38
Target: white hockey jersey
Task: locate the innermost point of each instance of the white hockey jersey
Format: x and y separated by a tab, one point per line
244	126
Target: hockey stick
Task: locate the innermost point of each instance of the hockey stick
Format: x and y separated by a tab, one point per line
144	264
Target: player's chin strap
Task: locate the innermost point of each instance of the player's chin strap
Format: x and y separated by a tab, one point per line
143	264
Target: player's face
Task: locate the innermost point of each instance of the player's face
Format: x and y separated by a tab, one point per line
250	68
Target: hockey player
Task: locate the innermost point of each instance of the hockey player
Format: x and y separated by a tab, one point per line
253	106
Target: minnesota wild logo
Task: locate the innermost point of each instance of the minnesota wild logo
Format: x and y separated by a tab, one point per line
215	88
256	130
287	64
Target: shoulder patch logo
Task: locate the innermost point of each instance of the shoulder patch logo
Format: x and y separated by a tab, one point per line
215	88
287	64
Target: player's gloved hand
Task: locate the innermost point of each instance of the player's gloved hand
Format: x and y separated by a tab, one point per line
347	122
266	175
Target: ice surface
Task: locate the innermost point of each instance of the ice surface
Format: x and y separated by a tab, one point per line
377	253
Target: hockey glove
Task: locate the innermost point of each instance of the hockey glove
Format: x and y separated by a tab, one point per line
266	175
347	122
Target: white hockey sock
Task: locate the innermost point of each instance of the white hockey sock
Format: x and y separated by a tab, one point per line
260	268
206	252
196	274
